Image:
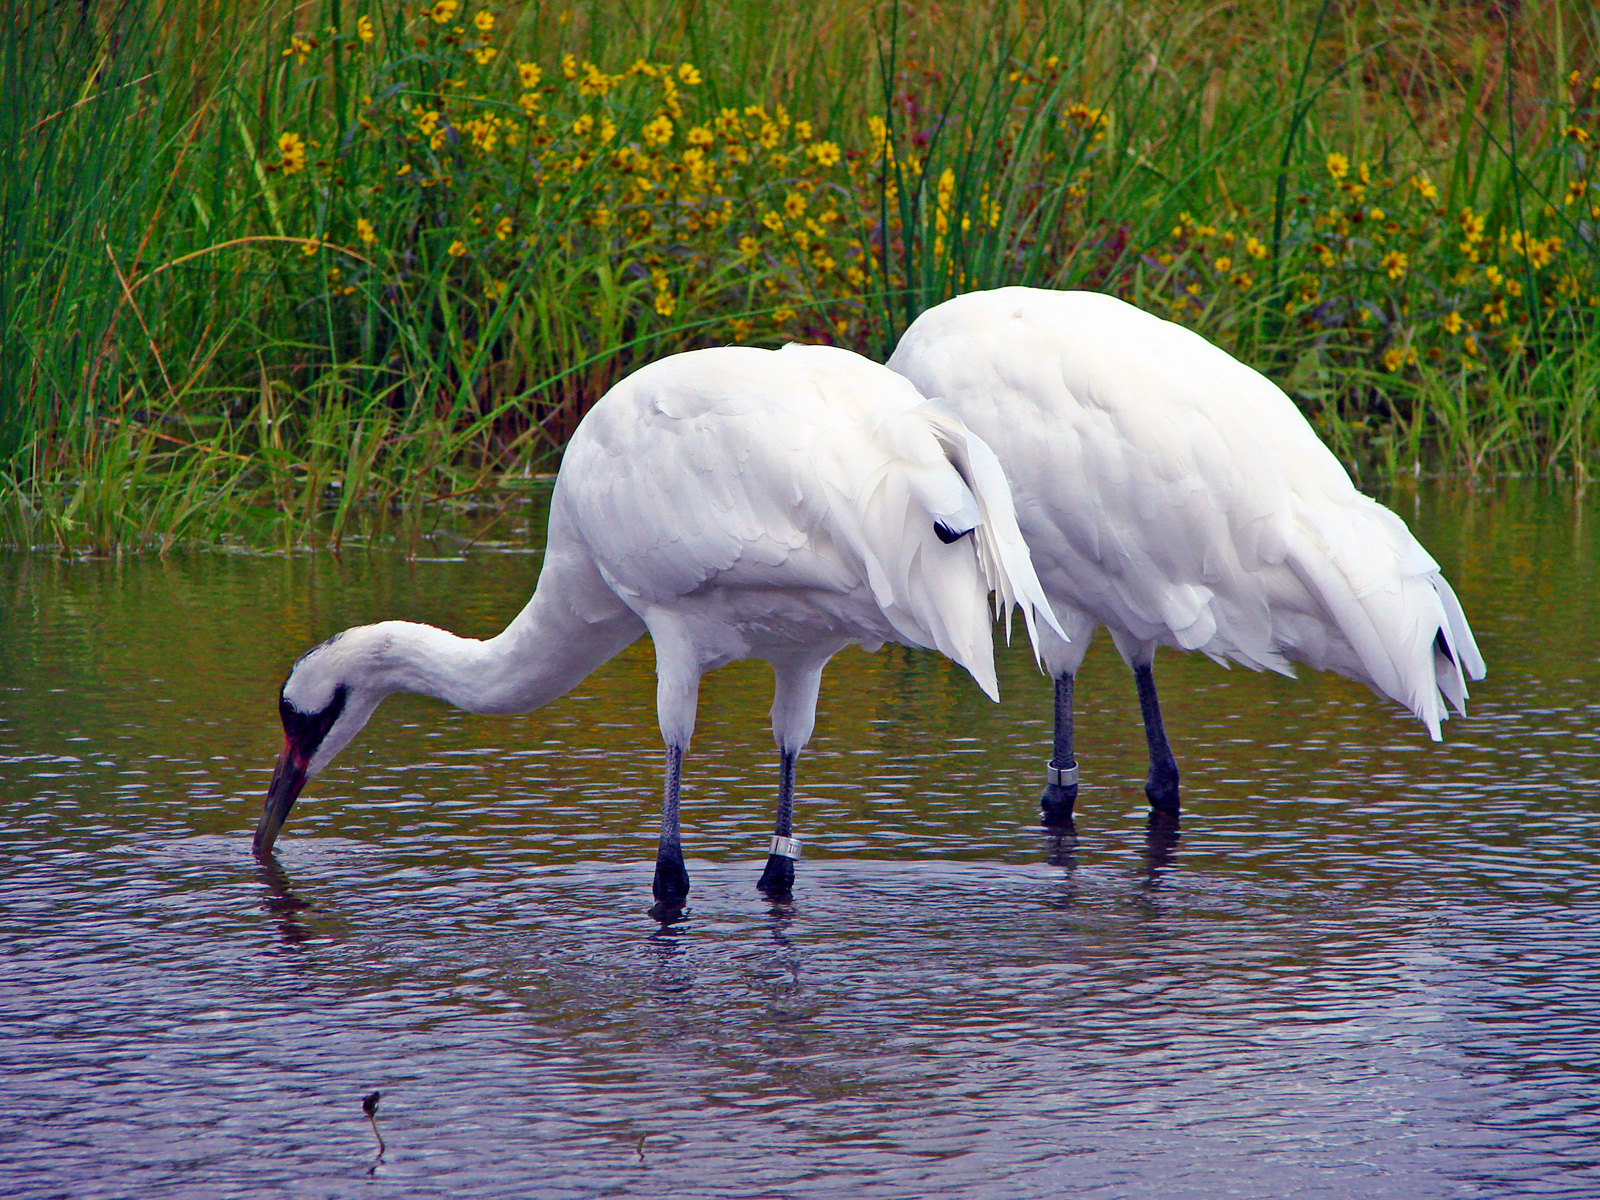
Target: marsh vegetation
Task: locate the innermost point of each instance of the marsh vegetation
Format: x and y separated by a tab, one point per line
283	273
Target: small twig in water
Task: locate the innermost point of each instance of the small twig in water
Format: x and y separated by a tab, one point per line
369	1105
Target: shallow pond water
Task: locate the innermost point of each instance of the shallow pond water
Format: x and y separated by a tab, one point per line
1367	967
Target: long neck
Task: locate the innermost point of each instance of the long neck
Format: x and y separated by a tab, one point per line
572	624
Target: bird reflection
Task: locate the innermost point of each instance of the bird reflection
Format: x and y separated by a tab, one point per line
1161	837
672	972
669	913
282	902
1062	840
780	917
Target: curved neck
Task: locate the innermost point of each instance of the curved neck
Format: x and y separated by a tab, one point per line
572	624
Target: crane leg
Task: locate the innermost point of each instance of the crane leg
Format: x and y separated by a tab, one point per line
1061	793
1161	784
671	885
778	879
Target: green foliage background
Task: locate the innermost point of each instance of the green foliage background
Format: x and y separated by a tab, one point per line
285	273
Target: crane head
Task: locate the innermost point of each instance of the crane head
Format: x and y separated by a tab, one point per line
321	711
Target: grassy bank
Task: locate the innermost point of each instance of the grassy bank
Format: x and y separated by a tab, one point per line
277	275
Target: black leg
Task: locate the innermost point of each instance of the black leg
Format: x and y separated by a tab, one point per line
1161	784
671	886
778	879
1061	792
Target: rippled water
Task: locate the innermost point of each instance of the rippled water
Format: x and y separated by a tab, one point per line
1369	966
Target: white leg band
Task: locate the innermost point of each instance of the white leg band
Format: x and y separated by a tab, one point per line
1062	776
785	847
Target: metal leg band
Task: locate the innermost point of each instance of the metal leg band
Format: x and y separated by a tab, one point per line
785	847
1062	776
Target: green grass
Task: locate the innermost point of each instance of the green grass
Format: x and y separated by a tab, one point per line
251	289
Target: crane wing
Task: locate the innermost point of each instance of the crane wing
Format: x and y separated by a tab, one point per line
809	475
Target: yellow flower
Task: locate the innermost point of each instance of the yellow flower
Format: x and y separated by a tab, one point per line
1537	252
364	231
529	101
484	21
494	289
364	29
659	131
1393	357
583	125
529	74
1254	247
741	328
403	169
310	246
747	245
802	130
293	150
595	82
665	304
1224	263
443	10
1579	135
1495	311
702	137
783	316
1338	165
794	206
1425	187
1394	264
1452	323
608	129
825	154
569	65
1575	190
1492	274
483	54
768	137
457	248
1326	256
688	73
502	229
772	220
300	48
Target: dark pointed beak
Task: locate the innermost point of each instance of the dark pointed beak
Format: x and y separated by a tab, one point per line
288	777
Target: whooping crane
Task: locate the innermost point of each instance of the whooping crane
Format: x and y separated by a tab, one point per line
734	503
1177	497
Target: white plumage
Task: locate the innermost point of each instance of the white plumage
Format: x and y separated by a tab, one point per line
736	503
1177	497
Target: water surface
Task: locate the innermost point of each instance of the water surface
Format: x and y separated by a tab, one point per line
1367	967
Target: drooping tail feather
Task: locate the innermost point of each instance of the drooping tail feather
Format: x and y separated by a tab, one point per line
1002	554
1395	611
931	588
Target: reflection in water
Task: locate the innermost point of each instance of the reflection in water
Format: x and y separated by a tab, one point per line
1366	967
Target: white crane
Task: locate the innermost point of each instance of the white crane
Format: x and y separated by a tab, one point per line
1177	497
734	503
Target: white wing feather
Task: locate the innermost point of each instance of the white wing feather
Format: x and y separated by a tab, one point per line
807	474
1168	491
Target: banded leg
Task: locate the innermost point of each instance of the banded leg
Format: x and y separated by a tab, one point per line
1161	783
777	881
1061	790
671	884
